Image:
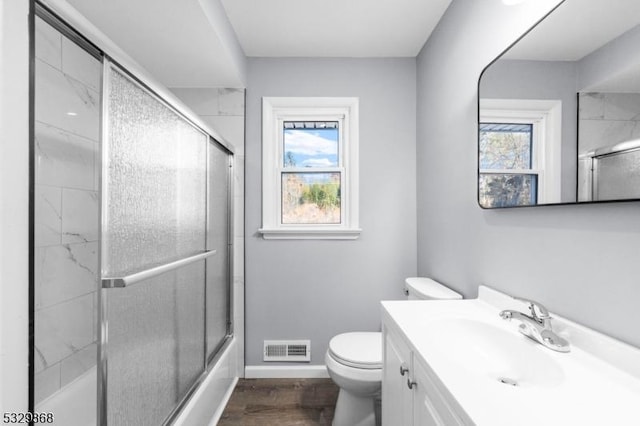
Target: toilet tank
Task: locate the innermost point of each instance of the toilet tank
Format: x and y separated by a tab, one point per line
420	288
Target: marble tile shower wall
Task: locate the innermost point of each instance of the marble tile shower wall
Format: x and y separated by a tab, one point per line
67	125
607	119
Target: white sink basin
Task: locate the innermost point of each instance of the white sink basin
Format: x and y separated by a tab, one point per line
497	354
499	377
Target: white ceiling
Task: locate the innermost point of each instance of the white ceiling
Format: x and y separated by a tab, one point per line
577	28
334	28
172	39
182	44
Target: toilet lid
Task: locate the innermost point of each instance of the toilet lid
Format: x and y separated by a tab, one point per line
359	350
427	288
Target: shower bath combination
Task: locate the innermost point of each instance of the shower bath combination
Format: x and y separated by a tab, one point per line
133	221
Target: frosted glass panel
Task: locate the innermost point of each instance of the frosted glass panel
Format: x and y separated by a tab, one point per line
618	176
155	181
156	345
218	239
165	198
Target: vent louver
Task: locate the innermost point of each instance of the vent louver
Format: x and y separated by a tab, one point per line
287	350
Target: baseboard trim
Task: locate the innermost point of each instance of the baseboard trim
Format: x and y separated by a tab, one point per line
286	372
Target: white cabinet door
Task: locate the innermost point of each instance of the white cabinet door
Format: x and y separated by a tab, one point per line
397	398
424	411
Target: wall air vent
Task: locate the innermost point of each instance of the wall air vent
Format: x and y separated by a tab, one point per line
287	350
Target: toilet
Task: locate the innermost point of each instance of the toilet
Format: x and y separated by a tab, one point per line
354	361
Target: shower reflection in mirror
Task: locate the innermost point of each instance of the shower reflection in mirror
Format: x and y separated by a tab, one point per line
559	112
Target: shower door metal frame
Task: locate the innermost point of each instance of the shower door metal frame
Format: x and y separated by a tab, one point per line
113	283
210	358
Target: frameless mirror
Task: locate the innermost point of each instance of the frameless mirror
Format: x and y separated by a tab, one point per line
559	111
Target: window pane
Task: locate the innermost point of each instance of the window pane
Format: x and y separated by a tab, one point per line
310	198
505	145
505	190
310	144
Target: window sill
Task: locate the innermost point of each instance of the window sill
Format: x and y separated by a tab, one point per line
309	234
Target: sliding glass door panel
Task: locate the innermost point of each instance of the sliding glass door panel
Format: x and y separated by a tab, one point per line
617	176
154	220
218	238
156	346
154	181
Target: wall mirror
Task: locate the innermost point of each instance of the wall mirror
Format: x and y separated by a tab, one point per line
559	111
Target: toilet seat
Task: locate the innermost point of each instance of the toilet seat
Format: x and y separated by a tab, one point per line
358	350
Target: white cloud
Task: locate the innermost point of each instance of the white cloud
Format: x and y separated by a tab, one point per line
304	142
318	162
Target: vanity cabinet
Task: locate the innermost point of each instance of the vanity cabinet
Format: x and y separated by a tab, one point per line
456	362
397	398
409	396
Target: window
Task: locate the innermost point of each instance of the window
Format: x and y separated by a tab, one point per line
507	176
310	168
519	149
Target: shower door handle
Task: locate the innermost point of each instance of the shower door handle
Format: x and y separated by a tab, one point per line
128	280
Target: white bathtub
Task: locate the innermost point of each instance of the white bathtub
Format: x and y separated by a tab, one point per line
76	403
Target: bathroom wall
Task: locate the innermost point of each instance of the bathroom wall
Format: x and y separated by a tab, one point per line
617	60
14	199
223	109
607	119
316	289
580	261
67	126
551	80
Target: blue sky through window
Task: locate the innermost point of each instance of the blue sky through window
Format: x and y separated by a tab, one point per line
310	147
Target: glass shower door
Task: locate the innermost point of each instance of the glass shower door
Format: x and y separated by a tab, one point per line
219	237
154	216
65	222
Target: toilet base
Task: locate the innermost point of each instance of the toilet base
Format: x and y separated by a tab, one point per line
354	410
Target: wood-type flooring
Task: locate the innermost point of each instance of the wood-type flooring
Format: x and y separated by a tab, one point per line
281	402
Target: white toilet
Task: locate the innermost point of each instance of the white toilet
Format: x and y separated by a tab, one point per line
354	361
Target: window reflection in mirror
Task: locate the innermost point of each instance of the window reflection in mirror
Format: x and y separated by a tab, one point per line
507	176
575	79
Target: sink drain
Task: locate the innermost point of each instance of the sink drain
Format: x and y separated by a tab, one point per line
507	381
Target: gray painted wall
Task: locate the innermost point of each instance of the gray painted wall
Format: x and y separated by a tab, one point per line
583	262
316	289
551	80
616	59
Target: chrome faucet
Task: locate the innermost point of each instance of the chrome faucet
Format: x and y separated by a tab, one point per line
537	326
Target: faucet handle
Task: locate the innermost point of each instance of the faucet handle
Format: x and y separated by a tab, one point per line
533	306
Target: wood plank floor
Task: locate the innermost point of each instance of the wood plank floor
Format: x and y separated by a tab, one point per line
282	402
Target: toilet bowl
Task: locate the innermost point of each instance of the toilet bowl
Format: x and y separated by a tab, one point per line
354	361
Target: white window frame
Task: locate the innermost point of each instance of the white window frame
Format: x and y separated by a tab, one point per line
277	110
546	117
